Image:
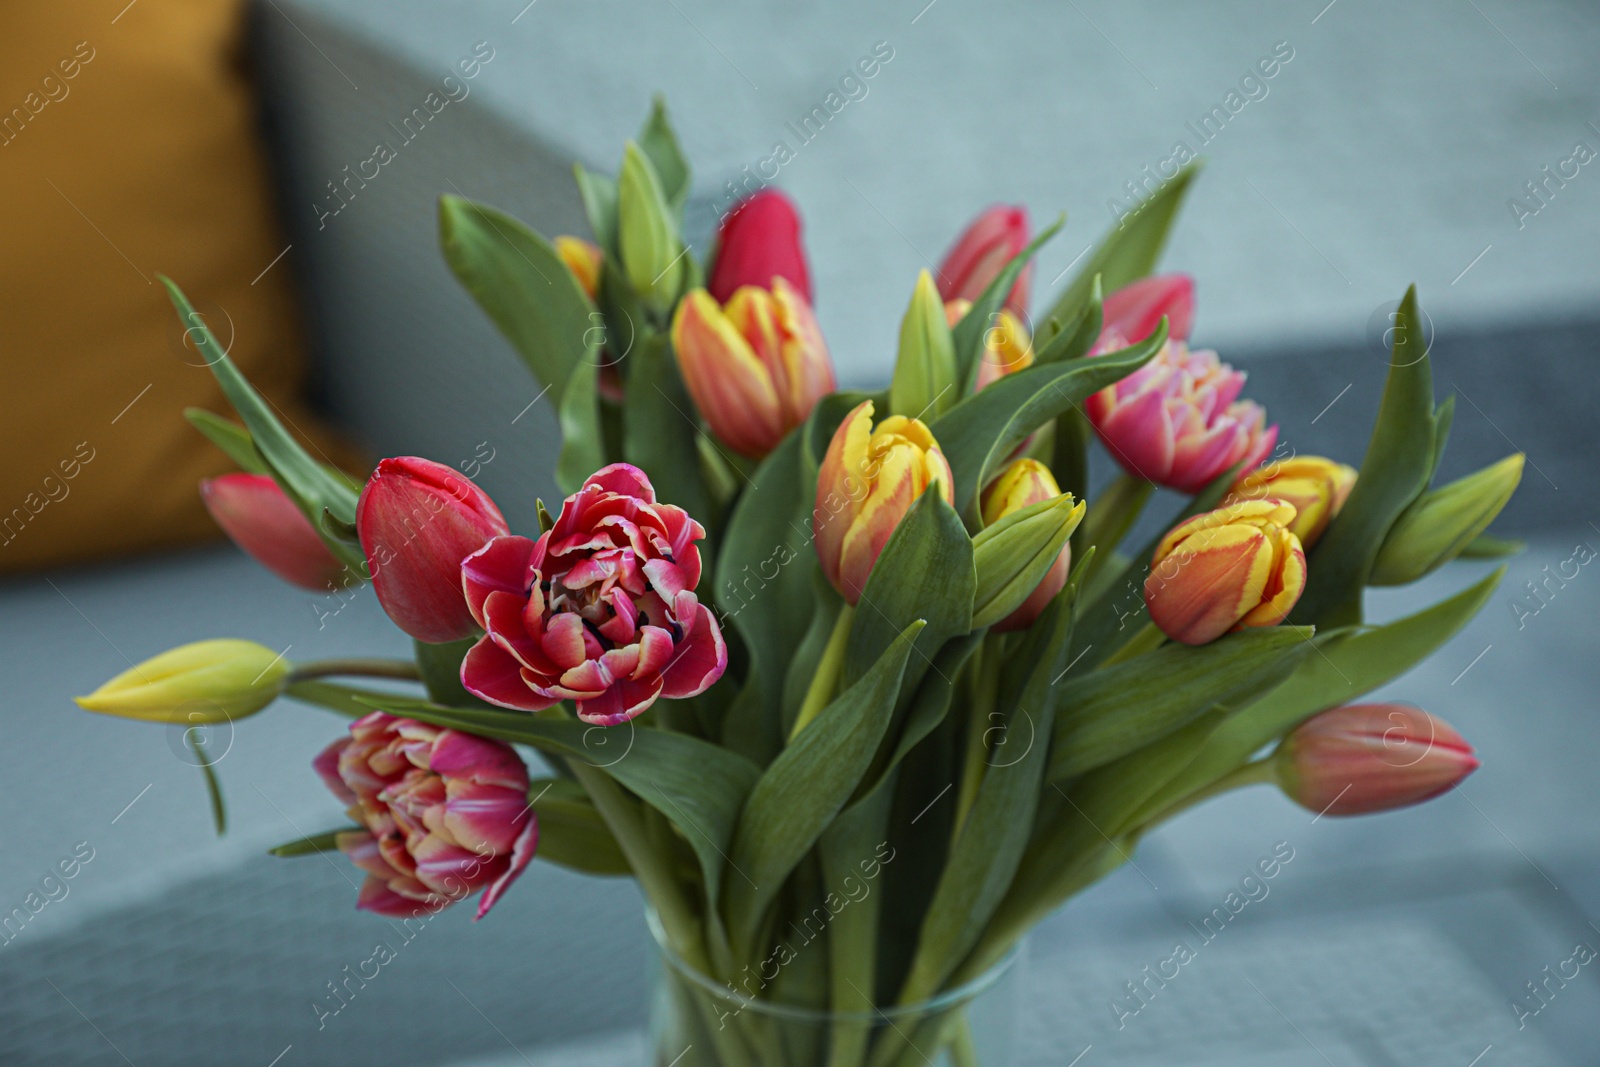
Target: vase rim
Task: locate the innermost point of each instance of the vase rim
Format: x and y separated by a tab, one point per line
949	998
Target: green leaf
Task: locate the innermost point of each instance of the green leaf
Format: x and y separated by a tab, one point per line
233	439
980	432
1104	715
1115	511
826	606
1347	665
805	787
310	846
658	141
516	276
1013	556
308	483
647	237
847	850
440	668
1487	546
582	451
969	332
599	193
1395	472
924	381
1062	341
659	436
1129	251
930	540
572	832
346	700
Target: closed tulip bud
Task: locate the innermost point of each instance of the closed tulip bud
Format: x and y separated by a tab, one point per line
755	367
652	255
1022	484
1435	529
1133	311
1227	569
1317	487
262	520
1176	421
417	520
989	242
1371	757
584	260
868	481
195	685
925	370
760	241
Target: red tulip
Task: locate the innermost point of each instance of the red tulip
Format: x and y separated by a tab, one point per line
982	251
444	813
255	513
1133	311
599	610
1371	757
760	241
417	521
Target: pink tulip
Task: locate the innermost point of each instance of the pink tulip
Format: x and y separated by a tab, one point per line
599	610
1176	421
758	242
417	521
255	513
1133	311
445	814
982	251
1371	757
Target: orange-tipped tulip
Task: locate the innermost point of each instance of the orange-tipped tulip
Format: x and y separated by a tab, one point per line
583	259
255	513
756	366
981	253
1024	483
1371	757
1007	348
867	483
1237	566
1317	487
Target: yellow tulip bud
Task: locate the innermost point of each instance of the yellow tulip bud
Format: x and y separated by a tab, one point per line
196	684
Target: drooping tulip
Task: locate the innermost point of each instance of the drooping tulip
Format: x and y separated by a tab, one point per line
417	520
984	248
1371	757
600	610
1176	421
1024	483
755	367
760	240
254	512
1234	567
202	683
583	259
1316	486
444	814
1133	311
868	481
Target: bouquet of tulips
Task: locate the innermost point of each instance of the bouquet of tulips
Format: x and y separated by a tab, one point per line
855	685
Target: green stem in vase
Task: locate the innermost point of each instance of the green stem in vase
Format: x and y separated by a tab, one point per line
826	680
985	677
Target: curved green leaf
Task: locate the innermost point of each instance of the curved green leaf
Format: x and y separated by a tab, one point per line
582	450
572	832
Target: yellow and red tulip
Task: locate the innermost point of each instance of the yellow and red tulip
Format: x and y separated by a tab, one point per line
1316	486
988	243
1371	757
1237	566
1024	483
1007	348
755	366
868	481
584	260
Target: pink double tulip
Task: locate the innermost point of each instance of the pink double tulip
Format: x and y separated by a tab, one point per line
868	481
417	520
255	513
760	241
600	610
1235	567
1022	484
444	814
978	256
756	366
1371	757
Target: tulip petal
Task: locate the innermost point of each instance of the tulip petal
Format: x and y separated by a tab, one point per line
522	852
490	672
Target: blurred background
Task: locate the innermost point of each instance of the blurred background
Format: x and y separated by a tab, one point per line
225	143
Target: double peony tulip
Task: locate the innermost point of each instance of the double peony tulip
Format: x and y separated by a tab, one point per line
868	481
978	256
1317	487
1371	757
444	814
600	610
756	366
417	520
1234	567
759	241
1022	484
256	514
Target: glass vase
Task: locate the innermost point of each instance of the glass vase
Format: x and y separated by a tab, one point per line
696	1021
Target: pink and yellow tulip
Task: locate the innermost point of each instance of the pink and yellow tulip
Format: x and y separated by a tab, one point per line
868	481
1234	567
981	252
1022	484
254	512
1371	757
1316	486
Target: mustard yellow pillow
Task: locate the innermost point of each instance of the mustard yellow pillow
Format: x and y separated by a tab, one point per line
128	148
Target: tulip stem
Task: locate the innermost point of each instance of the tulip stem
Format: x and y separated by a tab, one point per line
370	668
985	685
1147	638
826	679
1260	772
